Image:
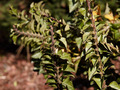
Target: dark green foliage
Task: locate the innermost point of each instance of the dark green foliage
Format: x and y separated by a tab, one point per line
6	22
62	49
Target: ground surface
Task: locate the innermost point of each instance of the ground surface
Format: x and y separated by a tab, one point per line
17	74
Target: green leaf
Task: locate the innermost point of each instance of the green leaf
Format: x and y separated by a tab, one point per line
79	42
114	85
37	18
117	35
100	38
51	74
107	10
14	38
105	59
89	55
81	1
98	81
35	49
91	72
70	3
31	25
117	49
85	35
68	74
76	64
64	22
37	55
93	61
13	11
63	40
118	10
67	27
90	50
60	53
69	69
100	32
68	83
66	56
59	32
46	62
41	70
38	27
108	46
51	80
32	4
73	7
87	46
100	26
23	15
40	5
82	11
43	28
105	68
85	27
47	56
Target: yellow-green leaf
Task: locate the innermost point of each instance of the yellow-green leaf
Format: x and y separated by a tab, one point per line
63	40
114	85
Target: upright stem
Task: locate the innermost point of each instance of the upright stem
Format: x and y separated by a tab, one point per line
96	40
52	38
57	74
94	27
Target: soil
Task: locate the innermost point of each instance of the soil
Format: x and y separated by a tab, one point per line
18	74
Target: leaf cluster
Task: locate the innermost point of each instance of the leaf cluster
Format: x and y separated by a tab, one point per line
60	48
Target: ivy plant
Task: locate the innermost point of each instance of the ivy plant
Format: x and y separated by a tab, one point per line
59	48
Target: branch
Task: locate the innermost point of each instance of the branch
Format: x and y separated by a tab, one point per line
27	33
94	27
52	18
52	38
57	74
95	38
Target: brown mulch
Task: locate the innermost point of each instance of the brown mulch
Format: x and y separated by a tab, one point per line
19	75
